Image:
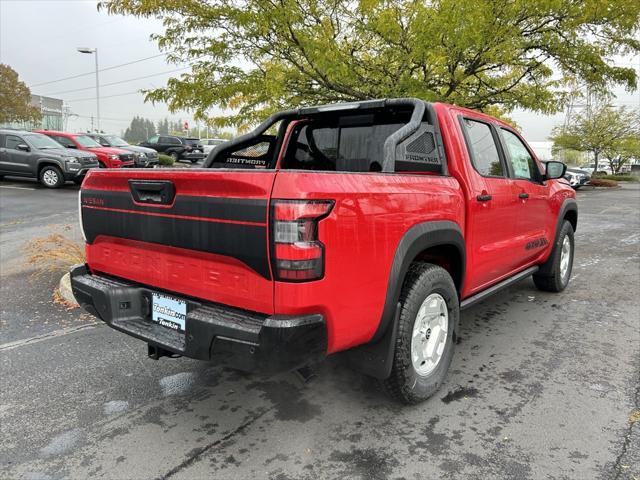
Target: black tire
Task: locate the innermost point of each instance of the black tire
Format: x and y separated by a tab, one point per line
548	277
51	177
194	160
405	383
175	156
101	165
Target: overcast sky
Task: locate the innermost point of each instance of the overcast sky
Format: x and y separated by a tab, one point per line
38	38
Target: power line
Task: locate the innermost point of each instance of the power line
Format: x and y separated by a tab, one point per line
101	97
120	81
100	70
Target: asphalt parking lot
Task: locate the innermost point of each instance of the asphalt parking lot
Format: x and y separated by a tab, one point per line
541	385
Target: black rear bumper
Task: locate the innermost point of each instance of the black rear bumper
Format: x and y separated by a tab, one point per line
241	339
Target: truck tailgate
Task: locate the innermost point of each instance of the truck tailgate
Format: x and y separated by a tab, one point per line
200	233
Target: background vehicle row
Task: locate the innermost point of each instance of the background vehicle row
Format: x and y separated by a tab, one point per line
29	154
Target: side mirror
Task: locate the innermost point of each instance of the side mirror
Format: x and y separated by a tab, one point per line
554	170
23	147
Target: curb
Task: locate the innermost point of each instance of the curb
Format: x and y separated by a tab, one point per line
64	288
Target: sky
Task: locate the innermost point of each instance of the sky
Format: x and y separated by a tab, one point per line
38	39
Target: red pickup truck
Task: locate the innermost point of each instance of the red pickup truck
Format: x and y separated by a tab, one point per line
108	157
360	227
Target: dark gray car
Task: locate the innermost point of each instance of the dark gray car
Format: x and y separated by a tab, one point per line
29	154
145	157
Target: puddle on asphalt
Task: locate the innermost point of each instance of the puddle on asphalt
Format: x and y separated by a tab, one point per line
62	443
177	384
115	406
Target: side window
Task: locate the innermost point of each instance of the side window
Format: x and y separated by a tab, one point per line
174	141
64	141
153	140
482	148
102	141
522	163
12	142
164	140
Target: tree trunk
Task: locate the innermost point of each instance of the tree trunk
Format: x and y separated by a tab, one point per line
595	164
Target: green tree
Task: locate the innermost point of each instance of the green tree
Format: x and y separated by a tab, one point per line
163	127
15	98
602	130
622	152
253	57
139	130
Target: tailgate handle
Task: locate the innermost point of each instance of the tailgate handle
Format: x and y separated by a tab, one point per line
155	192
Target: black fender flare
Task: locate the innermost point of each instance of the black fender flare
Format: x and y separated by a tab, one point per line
569	205
47	161
376	357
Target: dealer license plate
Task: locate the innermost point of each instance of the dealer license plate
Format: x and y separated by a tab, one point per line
168	312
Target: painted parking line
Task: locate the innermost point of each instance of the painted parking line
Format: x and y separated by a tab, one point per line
17	188
46	336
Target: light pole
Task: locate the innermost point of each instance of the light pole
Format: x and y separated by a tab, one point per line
94	51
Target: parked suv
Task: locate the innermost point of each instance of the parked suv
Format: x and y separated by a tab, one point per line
144	157
28	154
209	144
108	157
178	148
362	228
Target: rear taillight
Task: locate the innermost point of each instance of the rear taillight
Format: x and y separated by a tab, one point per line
297	253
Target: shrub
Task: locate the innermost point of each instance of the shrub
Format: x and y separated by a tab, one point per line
165	160
620	178
600	182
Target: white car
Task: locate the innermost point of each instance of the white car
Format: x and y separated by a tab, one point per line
209	144
603	167
576	177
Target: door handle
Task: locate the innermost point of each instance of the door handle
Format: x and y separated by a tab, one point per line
523	195
483	198
160	192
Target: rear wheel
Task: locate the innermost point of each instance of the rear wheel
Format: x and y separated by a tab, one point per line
51	177
429	311
194	160
174	156
554	275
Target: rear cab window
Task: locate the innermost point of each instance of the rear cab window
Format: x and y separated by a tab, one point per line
339	142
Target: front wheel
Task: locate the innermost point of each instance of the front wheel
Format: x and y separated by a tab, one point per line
51	177
554	275
429	311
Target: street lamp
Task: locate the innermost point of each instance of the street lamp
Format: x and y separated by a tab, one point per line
94	50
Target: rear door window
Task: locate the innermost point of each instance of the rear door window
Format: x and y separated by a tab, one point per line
482	148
